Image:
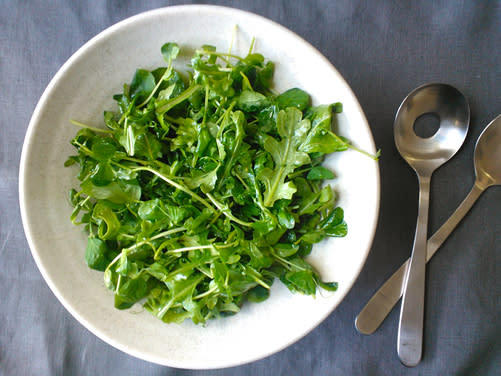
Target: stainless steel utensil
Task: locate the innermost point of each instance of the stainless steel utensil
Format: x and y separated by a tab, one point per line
424	155
488	173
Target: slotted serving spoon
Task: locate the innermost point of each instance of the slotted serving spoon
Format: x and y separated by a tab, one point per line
424	155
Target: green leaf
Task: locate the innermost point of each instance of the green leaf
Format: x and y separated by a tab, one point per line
142	85
234	148
109	225
259	259
205	180
334	225
286	219
286	155
293	98
102	174
264	77
150	210
103	149
321	139
171	88
96	254
179	289
319	173
147	145
301	281
170	51
126	267
258	294
313	237
267	118
186	136
329	286
252	101
312	202
119	191
130	292
286	249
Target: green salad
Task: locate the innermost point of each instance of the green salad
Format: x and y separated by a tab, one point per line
206	186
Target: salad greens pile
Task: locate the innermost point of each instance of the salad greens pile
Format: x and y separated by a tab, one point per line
204	188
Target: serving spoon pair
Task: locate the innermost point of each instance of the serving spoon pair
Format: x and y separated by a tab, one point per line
425	154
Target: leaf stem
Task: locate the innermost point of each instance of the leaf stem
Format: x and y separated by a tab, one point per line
157	236
256	276
251	47
286	262
353	147
192	248
176	185
82	125
175	101
220	54
206	104
227	212
166	75
208	292
233	33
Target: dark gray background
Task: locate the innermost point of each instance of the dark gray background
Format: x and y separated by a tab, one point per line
384	49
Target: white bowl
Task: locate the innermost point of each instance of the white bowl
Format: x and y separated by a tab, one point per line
83	88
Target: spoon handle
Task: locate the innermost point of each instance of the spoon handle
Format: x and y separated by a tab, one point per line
383	301
410	326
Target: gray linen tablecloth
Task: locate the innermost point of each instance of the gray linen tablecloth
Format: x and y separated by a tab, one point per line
384	49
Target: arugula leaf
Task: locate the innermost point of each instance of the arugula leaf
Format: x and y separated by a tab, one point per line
286	155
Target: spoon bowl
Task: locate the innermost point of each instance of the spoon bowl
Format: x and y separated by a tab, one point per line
424	155
488	155
452	110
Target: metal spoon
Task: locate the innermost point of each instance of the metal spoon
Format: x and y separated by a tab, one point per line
488	173
424	155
